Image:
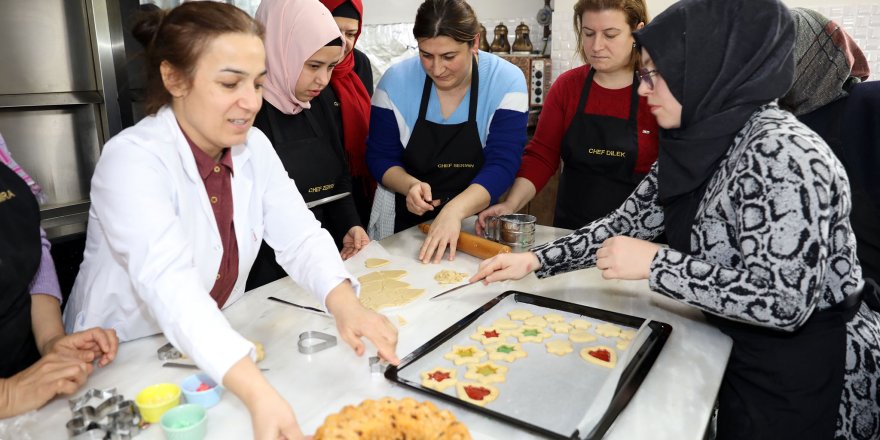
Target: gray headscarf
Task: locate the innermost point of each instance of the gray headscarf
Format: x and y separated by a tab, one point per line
827	63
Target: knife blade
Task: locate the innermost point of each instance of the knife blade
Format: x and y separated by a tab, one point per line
325	200
451	290
311	309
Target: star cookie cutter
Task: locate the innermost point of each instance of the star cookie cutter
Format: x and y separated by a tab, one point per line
114	418
377	365
167	352
308	342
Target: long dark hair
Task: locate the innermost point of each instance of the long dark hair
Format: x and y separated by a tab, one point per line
180	35
446	18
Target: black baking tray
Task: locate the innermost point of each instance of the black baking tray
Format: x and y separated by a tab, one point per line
631	377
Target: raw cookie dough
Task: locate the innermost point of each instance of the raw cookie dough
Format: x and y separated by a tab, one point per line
622	344
505	324
489	335
439	378
390	298
608	330
559	347
600	355
261	352
554	318
486	372
561	327
519	314
476	393
531	334
465	354
375	262
449	277
581	323
535	321
627	334
581	335
506	352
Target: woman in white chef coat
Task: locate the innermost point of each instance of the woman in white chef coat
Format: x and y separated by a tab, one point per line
182	201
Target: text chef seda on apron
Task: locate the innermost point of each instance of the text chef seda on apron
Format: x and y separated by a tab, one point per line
599	154
447	157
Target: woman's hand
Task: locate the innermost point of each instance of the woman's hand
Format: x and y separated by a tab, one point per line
418	199
354	321
30	389
443	232
626	258
271	416
353	242
494	210
506	267
86	345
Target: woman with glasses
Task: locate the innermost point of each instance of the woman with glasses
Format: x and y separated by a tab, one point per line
756	209
447	130
593	121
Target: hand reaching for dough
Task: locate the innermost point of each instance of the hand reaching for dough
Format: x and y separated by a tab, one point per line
353	242
354	321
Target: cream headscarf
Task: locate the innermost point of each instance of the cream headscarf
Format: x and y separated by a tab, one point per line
295	30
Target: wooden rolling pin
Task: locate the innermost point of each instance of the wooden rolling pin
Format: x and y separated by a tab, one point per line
473	245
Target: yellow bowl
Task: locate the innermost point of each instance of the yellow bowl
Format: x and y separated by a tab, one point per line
154	400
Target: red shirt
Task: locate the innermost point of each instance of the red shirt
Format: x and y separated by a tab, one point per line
542	155
217	177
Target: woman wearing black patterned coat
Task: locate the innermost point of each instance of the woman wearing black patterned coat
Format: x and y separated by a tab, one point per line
756	209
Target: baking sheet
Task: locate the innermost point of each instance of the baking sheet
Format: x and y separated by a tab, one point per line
560	396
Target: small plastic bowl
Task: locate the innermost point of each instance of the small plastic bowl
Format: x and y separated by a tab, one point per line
154	400
185	422
207	397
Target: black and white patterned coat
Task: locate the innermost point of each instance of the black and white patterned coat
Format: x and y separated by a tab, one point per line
771	243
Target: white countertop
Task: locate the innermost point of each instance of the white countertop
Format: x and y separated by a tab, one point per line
674	401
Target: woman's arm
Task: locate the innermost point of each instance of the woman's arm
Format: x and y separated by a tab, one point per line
446	226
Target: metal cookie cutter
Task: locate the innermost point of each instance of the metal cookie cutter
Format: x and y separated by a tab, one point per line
114	418
308	342
92	393
514	230
167	352
377	365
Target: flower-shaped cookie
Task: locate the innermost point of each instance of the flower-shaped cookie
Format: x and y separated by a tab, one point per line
531	334
505	324
608	330
519	314
554	318
489	335
506	352
627	334
486	372
535	321
559	347
439	378
476	393
581	323
561	327
581	335
465	354
622	344
600	355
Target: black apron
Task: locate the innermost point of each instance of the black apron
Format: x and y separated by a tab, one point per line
446	156
20	251
780	385
598	155
315	163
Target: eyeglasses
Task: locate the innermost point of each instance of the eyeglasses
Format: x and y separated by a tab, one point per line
645	76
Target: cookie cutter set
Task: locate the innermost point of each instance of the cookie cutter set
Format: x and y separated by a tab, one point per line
514	230
113	418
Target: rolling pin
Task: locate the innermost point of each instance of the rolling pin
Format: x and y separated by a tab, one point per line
473	245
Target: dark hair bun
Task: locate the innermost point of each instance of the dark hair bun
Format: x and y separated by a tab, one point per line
146	23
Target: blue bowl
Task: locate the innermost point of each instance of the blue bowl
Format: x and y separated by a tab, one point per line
206	398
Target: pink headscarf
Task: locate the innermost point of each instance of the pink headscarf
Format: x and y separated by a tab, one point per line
295	30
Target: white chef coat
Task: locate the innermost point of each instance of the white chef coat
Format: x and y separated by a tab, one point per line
153	248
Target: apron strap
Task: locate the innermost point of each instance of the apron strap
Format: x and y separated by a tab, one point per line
475	87
634	102
586	91
426	95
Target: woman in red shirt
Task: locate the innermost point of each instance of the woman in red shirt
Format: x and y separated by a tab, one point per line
593	120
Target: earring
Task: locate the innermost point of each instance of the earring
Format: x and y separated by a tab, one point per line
634	45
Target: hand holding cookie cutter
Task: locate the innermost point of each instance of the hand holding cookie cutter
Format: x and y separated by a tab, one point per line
308	342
